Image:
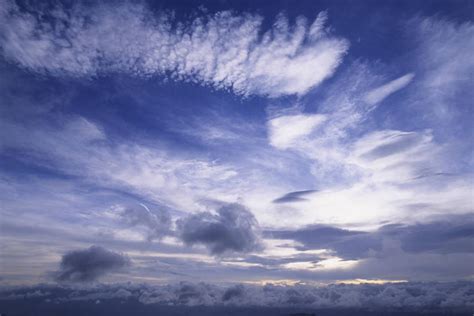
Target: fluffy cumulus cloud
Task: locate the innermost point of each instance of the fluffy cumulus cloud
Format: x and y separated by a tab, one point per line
368	297
224	50
89	264
232	229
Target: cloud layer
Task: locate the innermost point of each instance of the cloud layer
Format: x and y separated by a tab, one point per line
368	297
224	50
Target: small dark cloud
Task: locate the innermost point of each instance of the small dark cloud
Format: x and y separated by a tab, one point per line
232	229
235	291
156	224
295	196
89	264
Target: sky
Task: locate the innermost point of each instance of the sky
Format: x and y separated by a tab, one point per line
251	142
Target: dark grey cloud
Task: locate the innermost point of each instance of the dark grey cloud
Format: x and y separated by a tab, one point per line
89	264
277	261
450	235
440	236
156	224
232	229
348	244
295	196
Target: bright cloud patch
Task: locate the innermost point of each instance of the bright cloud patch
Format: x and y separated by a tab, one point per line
377	95
285	130
224	50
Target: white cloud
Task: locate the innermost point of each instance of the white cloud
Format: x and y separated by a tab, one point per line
396	156
443	55
365	176
224	50
379	94
444	52
151	172
284	131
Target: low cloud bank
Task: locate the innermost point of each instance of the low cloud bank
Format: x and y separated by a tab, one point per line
409	296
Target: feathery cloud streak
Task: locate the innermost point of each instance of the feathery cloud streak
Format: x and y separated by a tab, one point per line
224	50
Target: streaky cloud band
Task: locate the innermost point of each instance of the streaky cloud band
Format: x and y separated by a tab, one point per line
224	51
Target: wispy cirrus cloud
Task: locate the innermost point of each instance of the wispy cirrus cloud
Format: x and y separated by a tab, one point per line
156	224
284	131
378	94
443	55
397	169
225	50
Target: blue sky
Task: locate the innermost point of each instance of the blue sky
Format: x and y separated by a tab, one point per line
309	141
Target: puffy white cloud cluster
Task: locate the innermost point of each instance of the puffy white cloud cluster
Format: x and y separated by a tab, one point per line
410	296
224	50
